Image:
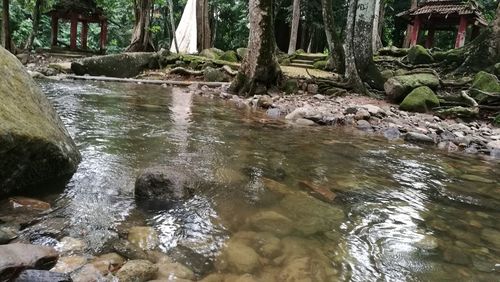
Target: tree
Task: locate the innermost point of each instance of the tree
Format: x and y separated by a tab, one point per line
295	27
260	69
360	67
406	43
36	23
496	33
6	36
203	25
141	37
337	58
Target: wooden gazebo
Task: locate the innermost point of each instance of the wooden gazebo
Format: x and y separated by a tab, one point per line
432	15
84	12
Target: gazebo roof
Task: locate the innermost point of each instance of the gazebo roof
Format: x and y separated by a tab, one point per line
85	8
446	8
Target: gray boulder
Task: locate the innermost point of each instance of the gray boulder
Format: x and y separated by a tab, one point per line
117	65
35	147
15	258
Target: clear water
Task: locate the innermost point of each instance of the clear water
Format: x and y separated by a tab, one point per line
410	213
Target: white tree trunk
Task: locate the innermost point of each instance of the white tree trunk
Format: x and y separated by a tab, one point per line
376	41
295	27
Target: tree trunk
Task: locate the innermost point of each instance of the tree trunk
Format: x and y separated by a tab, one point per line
295	27
260	69
6	37
409	29
172	22
141	37
360	68
337	58
496	32
377	25
36	24
203	25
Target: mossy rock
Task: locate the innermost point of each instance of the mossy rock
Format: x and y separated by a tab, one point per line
418	55
214	75
300	51
229	56
496	69
290	86
396	88
212	53
286	62
320	65
420	100
242	52
386	74
485	82
450	56
116	65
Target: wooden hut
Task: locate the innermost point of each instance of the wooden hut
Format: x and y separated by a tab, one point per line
433	15
84	12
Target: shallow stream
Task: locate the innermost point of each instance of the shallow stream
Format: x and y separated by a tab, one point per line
401	212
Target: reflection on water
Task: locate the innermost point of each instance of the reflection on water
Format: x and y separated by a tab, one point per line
401	211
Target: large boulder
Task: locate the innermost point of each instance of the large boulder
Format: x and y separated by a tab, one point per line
35	147
117	65
420	100
137	271
212	53
484	82
396	88
418	55
15	258
229	56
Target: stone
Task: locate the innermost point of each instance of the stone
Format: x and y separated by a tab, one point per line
304	122
310	215
418	55
364	125
421	100
312	88
28	203
230	56
198	263
163	184
31	275
362	114
8	232
302	269
173	271
32	135
63	67
212	53
69	264
290	86
392	133
128	250
492	145
144	237
69	245
88	273
123	65
418	138
396	88
456	256
271	221
137	271
491	236
374	110
17	257
240	258
322	193
265	101
485	82
242	53
428	242
108	263
214	75
276	187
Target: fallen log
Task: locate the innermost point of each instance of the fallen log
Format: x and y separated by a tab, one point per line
147	81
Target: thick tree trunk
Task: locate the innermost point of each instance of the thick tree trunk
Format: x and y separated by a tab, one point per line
409	29
337	57
295	27
377	25
360	68
141	37
36	24
260	69
203	25
6	37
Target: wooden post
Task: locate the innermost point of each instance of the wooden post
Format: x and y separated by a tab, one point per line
54	30
429	40
74	30
85	32
462	29
103	35
415	31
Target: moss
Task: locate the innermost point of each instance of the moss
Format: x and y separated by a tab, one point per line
286	62
398	87
212	53
300	51
420	100
320	65
290	86
386	74
214	75
450	56
485	82
418	55
229	56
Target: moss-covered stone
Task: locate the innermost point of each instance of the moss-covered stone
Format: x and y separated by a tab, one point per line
320	65
458	112
418	55
286	62
35	147
420	100
214	75
290	86
242	52
386	74
484	82
212	53
398	87
450	56
117	65
229	56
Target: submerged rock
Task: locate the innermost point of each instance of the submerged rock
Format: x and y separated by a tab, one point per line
239	258
17	257
137	271
163	184
108	263
121	65
69	264
144	237
271	221
35	147
129	250
420	100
